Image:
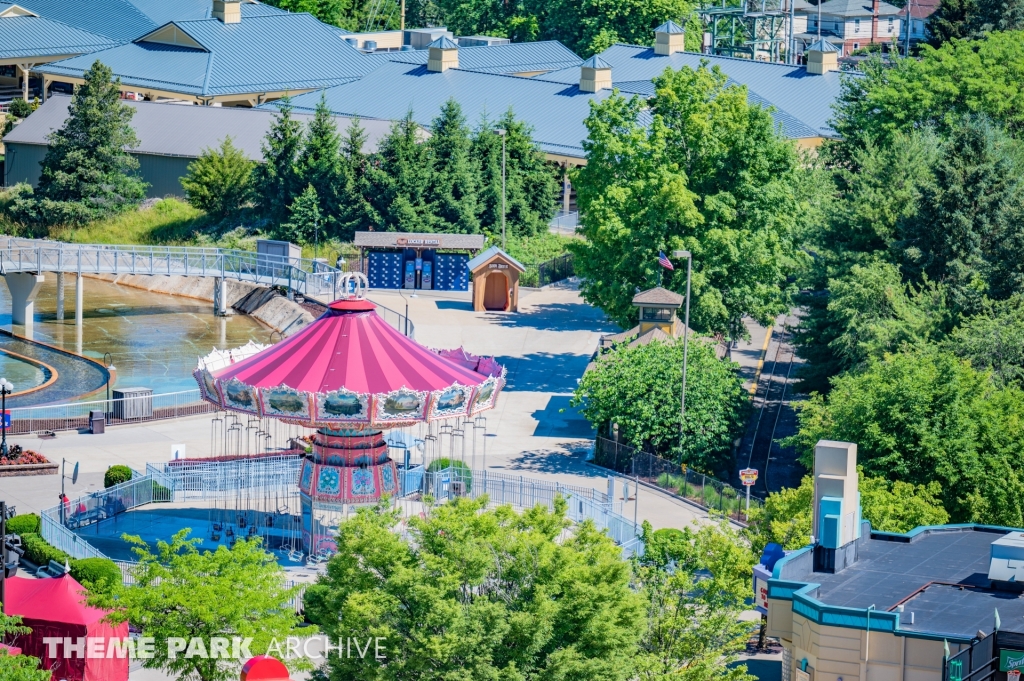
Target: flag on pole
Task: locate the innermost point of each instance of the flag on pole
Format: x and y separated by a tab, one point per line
664	261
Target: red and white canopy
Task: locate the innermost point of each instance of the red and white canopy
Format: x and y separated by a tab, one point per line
350	369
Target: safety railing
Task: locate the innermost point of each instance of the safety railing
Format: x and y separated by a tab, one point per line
75	415
676	479
301	275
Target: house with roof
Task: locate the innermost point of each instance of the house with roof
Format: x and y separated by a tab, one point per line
170	138
28	39
919	11
850	24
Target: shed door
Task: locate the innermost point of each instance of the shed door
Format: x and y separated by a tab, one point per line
496	292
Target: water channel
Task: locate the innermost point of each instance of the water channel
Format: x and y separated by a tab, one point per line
153	339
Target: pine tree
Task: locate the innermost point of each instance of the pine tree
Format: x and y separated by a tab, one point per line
399	178
358	213
220	180
320	165
87	172
452	192
278	181
305	222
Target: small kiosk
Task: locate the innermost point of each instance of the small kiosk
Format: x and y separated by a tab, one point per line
495	281
417	261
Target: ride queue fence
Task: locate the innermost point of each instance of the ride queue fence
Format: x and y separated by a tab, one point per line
678	480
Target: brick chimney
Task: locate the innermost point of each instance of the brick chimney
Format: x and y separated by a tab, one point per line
874	21
228	11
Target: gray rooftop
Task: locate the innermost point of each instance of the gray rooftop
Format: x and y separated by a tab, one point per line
490	253
464	242
658	296
941	576
184	130
856	8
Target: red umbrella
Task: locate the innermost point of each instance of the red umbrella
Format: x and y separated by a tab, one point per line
349	367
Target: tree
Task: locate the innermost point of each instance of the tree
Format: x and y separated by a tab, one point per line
348	14
709	174
994	340
319	164
640	389
591	26
481	593
398	180
87	172
452	188
530	186
18	667
358	213
890	506
694	630
278	181
959	19
922	416
305	222
180	592
220	180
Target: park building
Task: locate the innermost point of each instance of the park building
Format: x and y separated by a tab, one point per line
941	603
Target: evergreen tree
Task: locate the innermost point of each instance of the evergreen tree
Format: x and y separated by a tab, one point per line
358	213
220	180
305	223
530	186
320	165
452	191
87	172
398	180
278	181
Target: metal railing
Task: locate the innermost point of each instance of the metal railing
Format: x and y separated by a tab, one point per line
75	415
565	222
301	275
556	269
676	479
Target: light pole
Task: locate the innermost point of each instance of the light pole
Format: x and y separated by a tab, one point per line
5	389
502	131
686	338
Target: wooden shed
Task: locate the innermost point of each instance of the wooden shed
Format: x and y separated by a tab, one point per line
495	281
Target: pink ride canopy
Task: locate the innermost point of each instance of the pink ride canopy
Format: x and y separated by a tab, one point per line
351	369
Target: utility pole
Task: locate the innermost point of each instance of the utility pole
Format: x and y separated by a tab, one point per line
502	132
686	338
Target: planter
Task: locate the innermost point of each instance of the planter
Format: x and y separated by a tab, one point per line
29	469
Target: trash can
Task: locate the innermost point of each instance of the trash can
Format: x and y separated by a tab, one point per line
97	422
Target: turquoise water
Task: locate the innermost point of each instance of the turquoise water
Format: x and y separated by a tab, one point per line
153	339
22	375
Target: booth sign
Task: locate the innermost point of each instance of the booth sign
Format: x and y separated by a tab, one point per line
1010	660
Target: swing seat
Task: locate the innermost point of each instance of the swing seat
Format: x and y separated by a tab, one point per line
215	536
252	530
230	532
217	527
295	556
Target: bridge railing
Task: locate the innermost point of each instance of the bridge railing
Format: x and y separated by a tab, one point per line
303	275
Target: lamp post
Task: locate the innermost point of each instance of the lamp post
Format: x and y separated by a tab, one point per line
5	389
686	338
502	131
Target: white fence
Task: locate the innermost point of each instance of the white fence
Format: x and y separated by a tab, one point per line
75	415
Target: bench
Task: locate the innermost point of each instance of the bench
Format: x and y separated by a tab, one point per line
54	569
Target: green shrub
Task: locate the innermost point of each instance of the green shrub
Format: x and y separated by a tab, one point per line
115	475
40	552
20	108
26	523
460	471
99	574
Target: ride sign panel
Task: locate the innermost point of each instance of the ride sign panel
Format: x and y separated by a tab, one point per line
748	476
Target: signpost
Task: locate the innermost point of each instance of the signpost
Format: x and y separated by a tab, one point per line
748	476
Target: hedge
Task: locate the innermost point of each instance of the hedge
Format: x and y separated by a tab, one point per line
40	552
98	572
26	523
115	475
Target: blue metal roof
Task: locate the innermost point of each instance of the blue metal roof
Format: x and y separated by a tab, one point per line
164	11
548	55
444	43
822	45
26	36
596	62
269	53
669	27
790	89
555	110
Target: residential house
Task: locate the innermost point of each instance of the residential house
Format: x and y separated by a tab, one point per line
851	24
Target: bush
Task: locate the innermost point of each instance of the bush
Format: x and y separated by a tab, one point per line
26	523
115	475
220	180
99	574
460	471
38	551
20	108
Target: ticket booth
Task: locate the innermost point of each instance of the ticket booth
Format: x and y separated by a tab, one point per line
430	262
495	281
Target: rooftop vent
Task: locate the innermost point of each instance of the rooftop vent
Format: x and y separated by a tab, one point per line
1006	562
444	55
822	57
228	11
595	75
668	38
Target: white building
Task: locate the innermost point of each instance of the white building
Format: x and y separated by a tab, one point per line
849	24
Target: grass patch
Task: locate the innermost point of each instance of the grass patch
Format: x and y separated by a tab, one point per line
169	222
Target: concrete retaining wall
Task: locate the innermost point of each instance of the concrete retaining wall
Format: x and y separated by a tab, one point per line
278	313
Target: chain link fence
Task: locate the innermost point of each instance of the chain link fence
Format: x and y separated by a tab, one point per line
678	480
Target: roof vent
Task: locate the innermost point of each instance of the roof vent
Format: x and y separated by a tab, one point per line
595	75
444	55
1006	562
668	38
228	11
822	57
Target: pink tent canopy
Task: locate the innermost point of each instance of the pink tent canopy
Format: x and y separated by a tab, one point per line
350	368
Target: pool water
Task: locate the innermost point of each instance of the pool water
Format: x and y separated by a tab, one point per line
23	375
153	339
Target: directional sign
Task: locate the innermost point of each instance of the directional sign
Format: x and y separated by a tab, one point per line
748	476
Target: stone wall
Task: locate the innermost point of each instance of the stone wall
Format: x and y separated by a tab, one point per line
278	313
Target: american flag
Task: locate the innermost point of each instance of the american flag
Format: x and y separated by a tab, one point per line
664	261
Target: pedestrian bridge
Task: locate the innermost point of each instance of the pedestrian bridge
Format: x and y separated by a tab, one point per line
23	262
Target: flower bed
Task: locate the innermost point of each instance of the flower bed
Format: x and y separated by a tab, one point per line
20	461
